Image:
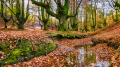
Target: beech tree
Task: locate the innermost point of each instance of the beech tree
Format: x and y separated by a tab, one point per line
115	5
4	14
44	18
61	12
93	11
20	14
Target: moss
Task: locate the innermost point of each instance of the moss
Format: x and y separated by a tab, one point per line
60	35
52	46
16	52
23	51
49	33
0	41
80	36
69	36
6	45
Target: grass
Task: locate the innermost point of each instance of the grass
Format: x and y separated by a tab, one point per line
24	51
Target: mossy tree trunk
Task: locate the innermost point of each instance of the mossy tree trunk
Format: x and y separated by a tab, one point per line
62	11
74	25
45	26
93	16
2	14
105	23
116	6
13	19
62	24
5	25
44	18
20	13
116	15
86	21
21	26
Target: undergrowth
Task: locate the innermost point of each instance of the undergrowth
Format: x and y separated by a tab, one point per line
24	50
68	36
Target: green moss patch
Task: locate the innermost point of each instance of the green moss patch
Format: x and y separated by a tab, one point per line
49	33
24	50
69	36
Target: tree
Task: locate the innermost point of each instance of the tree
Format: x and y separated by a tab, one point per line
61	12
74	23
105	23
12	18
20	13
5	17
115	5
44	20
94	15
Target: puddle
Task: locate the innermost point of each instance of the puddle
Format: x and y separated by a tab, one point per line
82	58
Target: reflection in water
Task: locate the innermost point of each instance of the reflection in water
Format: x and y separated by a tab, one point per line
80	59
83	58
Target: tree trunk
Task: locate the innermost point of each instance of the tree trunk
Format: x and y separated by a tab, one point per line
116	15
45	26
21	26
13	23
94	29
5	24
62	24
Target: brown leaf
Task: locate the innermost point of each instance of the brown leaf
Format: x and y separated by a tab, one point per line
34	48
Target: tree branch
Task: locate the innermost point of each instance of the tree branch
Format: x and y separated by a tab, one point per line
117	4
40	4
46	7
59	4
9	8
111	5
40	19
66	2
68	16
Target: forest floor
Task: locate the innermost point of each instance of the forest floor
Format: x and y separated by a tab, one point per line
110	33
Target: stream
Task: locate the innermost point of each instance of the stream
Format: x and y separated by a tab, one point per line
83	57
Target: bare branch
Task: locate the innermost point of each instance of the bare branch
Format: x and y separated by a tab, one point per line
110	4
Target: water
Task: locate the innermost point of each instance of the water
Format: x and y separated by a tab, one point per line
83	57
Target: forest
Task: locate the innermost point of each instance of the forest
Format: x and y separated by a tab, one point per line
59	33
